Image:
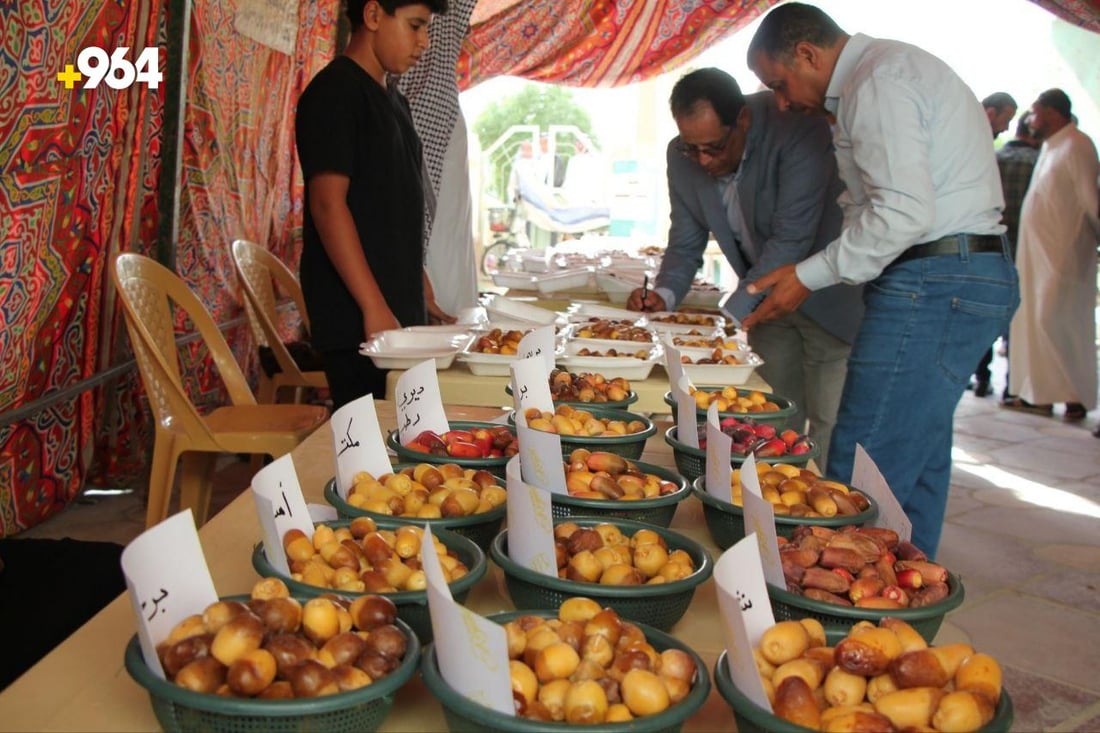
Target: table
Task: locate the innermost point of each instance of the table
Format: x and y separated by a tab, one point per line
82	684
458	385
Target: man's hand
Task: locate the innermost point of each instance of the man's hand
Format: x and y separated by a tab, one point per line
652	303
787	293
437	316
377	320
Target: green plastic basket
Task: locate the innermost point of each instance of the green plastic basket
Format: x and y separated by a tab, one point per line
180	710
412	605
660	605
787	408
658	510
631	398
751	718
466	716
787	606
481	528
493	465
627	446
726	521
692	462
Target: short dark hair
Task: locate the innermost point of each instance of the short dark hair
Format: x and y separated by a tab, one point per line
999	101
1058	101
1023	129
355	8
707	85
792	23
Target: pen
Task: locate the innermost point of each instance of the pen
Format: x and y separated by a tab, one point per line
645	291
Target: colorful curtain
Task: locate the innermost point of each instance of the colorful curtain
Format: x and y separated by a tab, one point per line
75	172
595	42
1085	13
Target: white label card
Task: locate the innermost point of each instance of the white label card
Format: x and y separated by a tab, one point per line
746	614
673	365
687	422
540	457
718	457
280	507
472	651
531	385
539	342
530	523
358	443
419	406
322	513
867	478
759	520
168	581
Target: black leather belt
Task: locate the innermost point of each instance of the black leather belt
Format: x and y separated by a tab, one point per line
953	245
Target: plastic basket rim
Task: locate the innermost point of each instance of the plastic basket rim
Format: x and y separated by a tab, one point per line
806	457
955	596
633	505
141	674
784	411
414	456
725	507
476	571
674	716
596	440
739	703
703	570
631	398
389	520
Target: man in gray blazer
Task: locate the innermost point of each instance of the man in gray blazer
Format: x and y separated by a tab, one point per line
764	184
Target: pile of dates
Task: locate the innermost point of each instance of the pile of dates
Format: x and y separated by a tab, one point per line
763	440
428	491
499	341
586	387
602	475
612	330
588	666
686	319
878	679
603	554
488	442
731	399
797	492
565	420
865	567
274	647
360	558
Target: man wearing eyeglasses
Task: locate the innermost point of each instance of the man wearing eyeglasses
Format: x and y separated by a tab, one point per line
764	183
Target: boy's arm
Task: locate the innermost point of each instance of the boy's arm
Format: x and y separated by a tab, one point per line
436	315
328	205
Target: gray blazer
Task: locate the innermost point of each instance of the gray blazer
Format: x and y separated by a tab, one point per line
788	187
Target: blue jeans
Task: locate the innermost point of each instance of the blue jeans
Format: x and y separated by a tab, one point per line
927	323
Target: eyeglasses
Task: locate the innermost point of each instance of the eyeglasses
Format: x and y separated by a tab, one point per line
711	150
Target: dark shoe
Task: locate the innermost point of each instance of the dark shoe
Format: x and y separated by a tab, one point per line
981	388
1097	431
1019	403
1074	411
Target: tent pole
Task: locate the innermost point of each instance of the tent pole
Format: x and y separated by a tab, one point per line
175	108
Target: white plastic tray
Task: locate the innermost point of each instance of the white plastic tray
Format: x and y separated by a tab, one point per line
707	298
500	308
517	280
610	366
579	279
721	373
715	321
406	349
488	365
579	312
618	289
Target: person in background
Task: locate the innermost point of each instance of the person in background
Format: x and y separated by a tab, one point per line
432	90
1053	357
1015	161
764	182
922	228
999	108
362	265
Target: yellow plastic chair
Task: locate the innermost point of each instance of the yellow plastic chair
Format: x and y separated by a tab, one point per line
148	292
260	272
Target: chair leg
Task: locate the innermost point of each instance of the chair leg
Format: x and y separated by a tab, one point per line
195	489
256	462
161	477
267	391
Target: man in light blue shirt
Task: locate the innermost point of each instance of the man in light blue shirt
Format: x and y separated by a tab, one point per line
922	228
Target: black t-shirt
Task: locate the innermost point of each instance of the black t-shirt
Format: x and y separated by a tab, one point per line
348	123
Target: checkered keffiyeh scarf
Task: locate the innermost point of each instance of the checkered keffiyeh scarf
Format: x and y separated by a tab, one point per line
432	91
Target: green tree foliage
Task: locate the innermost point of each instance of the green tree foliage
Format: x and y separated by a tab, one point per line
536	104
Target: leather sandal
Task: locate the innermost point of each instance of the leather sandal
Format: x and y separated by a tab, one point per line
1074	411
1019	403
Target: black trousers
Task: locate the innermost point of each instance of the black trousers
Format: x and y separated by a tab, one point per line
351	375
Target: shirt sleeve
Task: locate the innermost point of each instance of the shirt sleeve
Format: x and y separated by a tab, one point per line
885	123
687	240
324	130
807	169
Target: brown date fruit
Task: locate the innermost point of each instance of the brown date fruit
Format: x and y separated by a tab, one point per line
375	665
177	656
205	674
313	679
251	673
289	651
371	611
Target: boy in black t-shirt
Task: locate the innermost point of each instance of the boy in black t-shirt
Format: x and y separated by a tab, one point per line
362	266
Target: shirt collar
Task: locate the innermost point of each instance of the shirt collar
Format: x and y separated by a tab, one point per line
845	65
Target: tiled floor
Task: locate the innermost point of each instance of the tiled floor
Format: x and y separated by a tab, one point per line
1021	530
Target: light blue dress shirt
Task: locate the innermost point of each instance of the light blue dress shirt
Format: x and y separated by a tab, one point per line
913	149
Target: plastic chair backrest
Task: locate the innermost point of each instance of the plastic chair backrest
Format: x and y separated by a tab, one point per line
259	272
148	291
